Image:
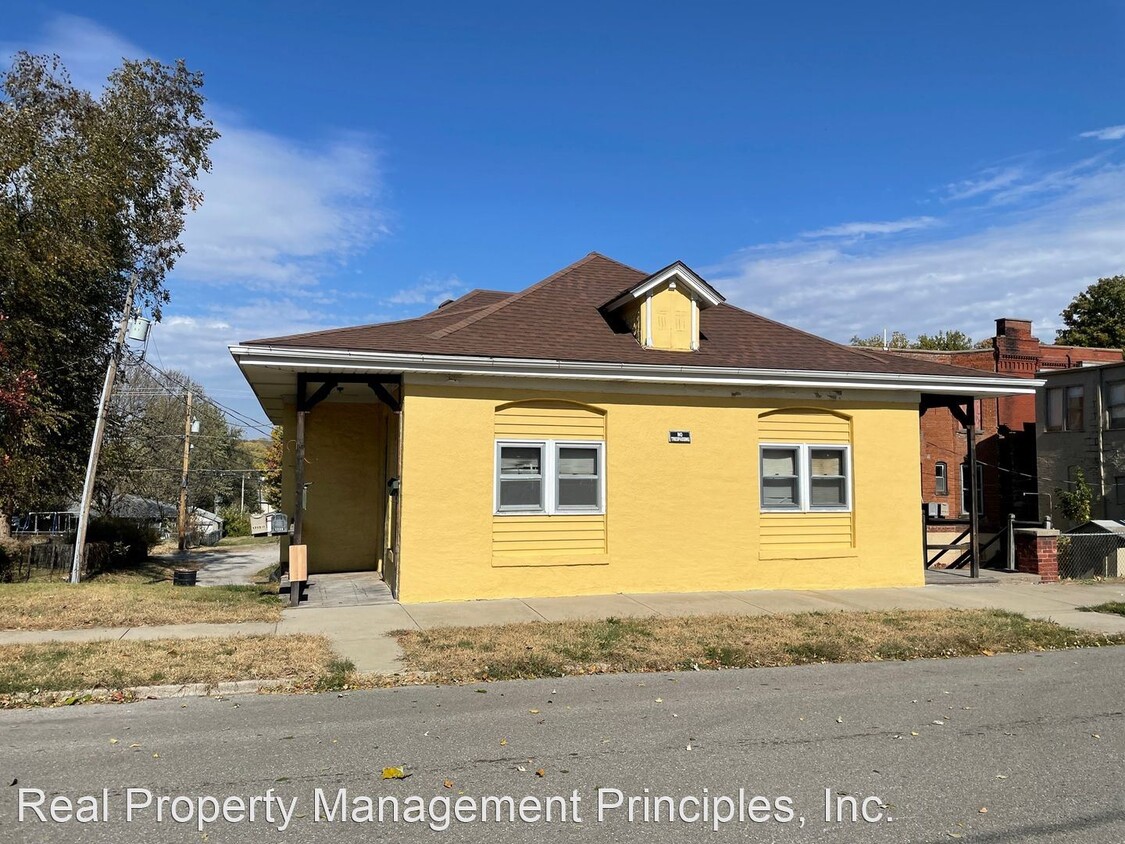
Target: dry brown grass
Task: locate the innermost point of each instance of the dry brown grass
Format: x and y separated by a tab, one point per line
121	664
723	641
125	601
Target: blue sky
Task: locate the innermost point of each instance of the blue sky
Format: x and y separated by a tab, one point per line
841	167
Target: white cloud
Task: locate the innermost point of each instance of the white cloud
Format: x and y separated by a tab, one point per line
1020	261
278	215
1109	133
989	181
429	291
89	50
863	229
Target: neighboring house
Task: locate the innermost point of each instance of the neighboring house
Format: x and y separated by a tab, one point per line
206	528
1082	426
605	430
1005	427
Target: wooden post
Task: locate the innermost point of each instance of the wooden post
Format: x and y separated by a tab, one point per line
974	492
295	571
183	514
299	479
398	498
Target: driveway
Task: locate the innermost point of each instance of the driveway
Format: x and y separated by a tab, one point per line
232	566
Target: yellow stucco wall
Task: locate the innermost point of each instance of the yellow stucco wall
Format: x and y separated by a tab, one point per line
344	461
678	517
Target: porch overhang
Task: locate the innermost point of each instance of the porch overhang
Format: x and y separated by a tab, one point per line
272	370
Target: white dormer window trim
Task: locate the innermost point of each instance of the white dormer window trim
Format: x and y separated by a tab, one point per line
694	323
707	296
648	321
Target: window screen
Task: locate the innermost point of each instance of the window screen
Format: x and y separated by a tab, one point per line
521	477
780	481
579	486
828	478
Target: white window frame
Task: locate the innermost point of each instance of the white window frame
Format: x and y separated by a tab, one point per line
543	478
804	477
550	478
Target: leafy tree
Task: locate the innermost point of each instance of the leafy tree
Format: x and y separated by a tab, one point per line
1075	503
93	193
271	468
952	340
948	341
897	340
143	451
1096	316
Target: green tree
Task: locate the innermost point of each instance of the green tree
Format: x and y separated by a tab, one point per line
143	451
93	192
1096	316
1075	503
948	341
271	468
896	340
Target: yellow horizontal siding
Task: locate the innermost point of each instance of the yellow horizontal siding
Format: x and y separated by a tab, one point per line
551	431
804	426
549	420
548	534
821	529
515	536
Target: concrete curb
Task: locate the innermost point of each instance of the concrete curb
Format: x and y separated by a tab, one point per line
225	689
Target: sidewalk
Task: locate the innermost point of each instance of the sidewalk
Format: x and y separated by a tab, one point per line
359	633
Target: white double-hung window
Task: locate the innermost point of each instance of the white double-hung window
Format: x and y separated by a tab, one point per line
805	478
550	477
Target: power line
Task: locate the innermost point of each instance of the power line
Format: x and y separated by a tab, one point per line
244	421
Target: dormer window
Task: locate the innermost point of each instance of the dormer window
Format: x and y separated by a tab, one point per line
663	310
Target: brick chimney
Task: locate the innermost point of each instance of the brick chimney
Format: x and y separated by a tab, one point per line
1017	351
1017	329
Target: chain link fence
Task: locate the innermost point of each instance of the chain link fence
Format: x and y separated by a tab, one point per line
1083	556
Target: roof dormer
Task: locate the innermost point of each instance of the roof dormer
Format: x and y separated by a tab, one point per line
662	311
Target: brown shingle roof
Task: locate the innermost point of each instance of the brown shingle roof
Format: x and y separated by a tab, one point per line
559	319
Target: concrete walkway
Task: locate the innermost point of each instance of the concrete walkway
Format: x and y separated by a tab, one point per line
359	633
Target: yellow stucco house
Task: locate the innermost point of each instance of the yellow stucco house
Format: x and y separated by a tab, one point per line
604	430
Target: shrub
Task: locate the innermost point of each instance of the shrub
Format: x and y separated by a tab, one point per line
234	522
130	538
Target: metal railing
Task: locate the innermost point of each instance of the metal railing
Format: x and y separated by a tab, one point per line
1084	556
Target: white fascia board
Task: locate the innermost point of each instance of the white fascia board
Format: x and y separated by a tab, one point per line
338	360
681	271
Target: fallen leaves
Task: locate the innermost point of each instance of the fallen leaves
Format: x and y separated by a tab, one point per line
395	773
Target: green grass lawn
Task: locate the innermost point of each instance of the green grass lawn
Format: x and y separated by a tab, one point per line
553	649
1114	607
306	660
132	597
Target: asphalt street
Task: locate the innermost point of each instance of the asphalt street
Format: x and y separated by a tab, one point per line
1001	749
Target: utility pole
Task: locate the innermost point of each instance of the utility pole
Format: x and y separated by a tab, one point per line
183	520
99	433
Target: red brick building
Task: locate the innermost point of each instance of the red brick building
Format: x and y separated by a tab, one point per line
1005	427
